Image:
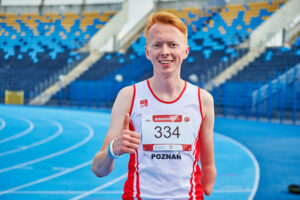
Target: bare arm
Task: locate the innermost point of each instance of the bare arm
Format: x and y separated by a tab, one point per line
208	169
126	141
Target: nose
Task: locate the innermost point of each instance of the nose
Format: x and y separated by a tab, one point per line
165	50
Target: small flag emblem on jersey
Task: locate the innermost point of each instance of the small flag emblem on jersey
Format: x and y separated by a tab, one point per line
186	119
144	102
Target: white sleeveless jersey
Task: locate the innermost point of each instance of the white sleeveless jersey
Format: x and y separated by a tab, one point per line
166	164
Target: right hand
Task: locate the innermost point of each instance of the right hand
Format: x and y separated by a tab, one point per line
128	141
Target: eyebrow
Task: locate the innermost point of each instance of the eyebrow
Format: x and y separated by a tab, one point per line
161	41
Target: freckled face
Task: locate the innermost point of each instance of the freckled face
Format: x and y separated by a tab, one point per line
166	48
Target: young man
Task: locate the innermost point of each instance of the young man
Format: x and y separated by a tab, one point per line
168	124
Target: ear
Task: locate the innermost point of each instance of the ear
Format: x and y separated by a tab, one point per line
147	52
187	50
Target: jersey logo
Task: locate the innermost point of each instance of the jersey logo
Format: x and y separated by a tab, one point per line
186	119
167	118
144	103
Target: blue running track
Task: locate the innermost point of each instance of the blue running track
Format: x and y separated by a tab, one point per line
46	153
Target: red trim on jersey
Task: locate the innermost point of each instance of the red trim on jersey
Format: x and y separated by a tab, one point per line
198	187
200	105
137	177
196	174
133	166
168	102
128	186
193	172
132	101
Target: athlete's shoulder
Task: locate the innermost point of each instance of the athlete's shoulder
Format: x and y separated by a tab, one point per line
129	91
206	97
124	99
207	102
126	92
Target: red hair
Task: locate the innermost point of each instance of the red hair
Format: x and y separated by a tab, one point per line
165	18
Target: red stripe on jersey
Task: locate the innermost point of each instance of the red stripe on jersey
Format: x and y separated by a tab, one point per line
128	186
196	175
137	177
198	187
200	105
132	101
193	172
133	166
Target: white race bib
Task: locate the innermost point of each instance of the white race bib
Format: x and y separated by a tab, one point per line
167	133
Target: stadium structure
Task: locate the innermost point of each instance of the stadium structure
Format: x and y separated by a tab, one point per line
63	62
81	52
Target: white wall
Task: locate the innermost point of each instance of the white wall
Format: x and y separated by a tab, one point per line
103	1
63	2
281	19
20	2
137	10
56	2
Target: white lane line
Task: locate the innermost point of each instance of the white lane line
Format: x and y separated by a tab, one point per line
244	190
47	178
77	192
256	165
66	192
3	124
23	148
13	137
100	187
85	140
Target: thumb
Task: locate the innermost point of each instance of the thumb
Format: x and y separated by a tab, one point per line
126	122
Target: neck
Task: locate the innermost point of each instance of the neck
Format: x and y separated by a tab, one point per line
167	89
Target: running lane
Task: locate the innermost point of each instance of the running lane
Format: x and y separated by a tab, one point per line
63	143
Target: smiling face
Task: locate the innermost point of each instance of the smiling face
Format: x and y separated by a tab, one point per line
166	49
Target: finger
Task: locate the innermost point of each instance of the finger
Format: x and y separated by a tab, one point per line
131	134
134	141
128	150
126	122
128	137
131	145
135	135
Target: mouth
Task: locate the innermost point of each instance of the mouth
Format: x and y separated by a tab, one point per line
165	61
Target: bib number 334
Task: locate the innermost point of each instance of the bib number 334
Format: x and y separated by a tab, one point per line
167	133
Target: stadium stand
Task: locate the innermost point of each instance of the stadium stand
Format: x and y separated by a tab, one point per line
276	61
215	34
36	49
218	37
